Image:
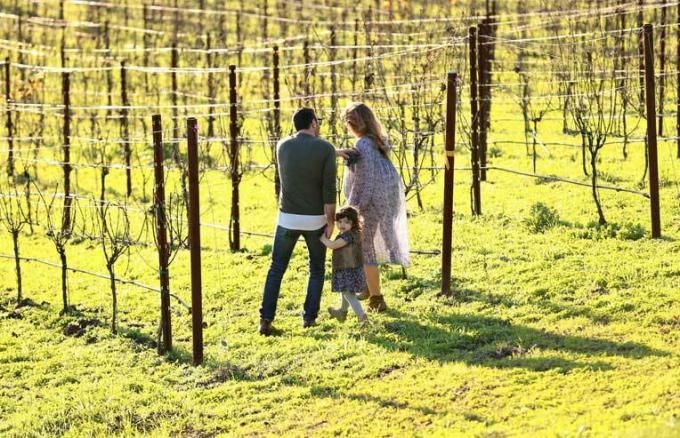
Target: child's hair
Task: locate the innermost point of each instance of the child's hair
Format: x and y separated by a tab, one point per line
350	213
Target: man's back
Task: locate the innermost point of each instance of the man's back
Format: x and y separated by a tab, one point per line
307	170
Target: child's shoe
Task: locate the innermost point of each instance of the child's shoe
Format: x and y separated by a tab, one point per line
338	314
363	321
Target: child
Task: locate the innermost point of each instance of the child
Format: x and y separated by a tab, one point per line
348	269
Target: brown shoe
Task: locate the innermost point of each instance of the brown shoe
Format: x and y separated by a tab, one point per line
266	328
377	303
363	296
308	323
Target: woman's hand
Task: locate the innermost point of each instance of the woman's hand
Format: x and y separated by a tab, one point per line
342	153
346	153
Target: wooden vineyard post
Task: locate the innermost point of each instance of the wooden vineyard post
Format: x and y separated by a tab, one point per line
483	66
209	58
145	41
235	235
641	49
125	128
450	146
174	62
109	74
10	130
277	120
195	242
265	15
368	74
334	87
162	235
66	148
354	57
650	103
662	67
474	117
677	80
307	72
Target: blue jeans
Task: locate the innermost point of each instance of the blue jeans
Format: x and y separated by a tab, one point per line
284	243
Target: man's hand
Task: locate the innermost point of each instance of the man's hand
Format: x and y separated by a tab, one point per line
328	232
329	212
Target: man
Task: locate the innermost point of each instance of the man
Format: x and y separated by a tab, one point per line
306	208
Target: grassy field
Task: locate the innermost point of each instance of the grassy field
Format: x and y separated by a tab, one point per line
561	333
557	327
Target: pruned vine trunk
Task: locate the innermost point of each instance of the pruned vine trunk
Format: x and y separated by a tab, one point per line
17	261
114	300
64	269
596	195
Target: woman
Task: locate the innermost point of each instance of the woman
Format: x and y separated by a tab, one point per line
374	187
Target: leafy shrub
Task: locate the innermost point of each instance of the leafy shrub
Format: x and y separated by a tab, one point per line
495	152
631	231
541	218
266	249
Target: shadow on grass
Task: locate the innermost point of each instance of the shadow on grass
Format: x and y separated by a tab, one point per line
329	392
138	337
494	342
461	294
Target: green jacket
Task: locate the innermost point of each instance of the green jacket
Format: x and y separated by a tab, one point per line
307	170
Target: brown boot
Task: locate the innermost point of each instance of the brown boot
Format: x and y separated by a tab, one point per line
266	328
377	303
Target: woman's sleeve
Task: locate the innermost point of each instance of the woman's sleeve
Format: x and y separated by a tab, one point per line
359	193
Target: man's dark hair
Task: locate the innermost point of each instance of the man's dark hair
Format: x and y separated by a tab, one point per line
303	118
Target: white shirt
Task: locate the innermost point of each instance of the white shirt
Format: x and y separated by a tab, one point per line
301	222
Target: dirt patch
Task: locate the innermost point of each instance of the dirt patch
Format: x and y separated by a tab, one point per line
78	328
505	351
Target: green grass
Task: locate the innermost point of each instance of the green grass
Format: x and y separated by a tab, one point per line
556	328
549	334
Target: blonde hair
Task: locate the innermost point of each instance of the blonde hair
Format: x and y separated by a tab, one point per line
362	121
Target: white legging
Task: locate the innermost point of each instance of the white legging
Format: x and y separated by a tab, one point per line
349	299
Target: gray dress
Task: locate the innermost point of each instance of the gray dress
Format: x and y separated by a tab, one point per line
374	186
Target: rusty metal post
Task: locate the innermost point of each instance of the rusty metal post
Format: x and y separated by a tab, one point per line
66	148
10	129
125	128
277	121
161	235
195	242
450	146
235	236
474	117
650	102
